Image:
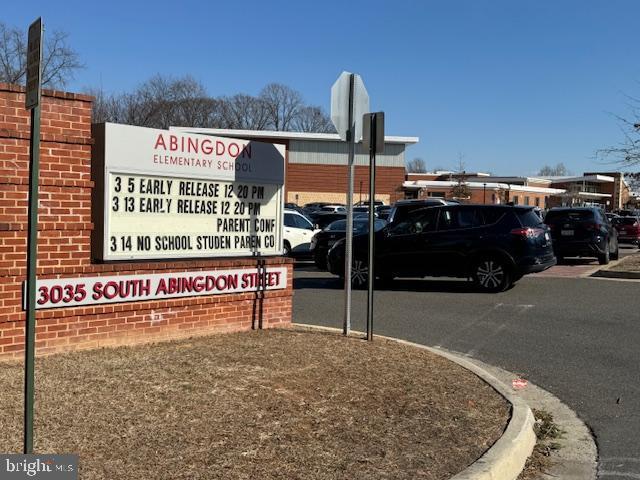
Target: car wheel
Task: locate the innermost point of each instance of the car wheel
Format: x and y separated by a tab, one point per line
603	258
559	259
492	274
615	255
287	249
359	274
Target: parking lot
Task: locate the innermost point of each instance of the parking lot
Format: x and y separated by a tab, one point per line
573	335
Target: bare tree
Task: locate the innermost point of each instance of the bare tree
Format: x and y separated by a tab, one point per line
558	170
627	152
417	165
461	190
160	102
312	119
243	112
163	101
59	61
283	105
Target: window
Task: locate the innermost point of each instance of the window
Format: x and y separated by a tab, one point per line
292	220
436	194
458	218
423	220
526	200
515	200
537	201
491	215
302	222
289	220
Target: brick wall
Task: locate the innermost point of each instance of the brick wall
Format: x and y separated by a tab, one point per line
328	183
64	246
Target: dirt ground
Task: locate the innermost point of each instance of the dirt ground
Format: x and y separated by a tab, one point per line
628	264
277	404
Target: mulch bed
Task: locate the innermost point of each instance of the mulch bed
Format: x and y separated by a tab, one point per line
284	404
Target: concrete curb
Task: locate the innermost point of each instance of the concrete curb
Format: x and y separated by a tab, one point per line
614	274
506	458
577	458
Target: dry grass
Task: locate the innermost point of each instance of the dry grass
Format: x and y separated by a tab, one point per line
272	404
627	264
547	434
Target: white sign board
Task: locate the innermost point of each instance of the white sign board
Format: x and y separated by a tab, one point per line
340	104
169	194
34	64
77	292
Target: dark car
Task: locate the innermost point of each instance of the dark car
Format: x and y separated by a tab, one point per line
628	229
322	219
582	232
313	207
495	245
327	238
383	211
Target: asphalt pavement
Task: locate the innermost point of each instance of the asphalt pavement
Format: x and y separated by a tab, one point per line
576	337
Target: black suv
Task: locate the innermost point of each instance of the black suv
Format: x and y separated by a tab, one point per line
582	232
495	245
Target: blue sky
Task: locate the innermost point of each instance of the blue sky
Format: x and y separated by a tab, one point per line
511	85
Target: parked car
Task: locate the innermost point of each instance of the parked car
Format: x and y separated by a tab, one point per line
327	238
628	229
611	216
582	232
495	245
383	211
365	203
313	207
322	219
298	231
334	209
293	206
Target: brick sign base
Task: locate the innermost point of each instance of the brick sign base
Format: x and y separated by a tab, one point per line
64	247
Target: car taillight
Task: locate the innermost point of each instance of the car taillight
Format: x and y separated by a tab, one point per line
527	232
593	226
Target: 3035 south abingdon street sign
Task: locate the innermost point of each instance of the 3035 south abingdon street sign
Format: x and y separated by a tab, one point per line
168	195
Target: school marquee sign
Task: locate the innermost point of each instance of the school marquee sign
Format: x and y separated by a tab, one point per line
170	195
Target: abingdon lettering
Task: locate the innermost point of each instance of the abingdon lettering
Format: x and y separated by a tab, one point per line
174	143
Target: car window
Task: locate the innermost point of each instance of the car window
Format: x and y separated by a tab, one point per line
339	225
289	220
489	216
528	218
420	221
458	218
302	222
568	215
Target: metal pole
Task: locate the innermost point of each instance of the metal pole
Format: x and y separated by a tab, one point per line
32	257
346	327
484	193
372	219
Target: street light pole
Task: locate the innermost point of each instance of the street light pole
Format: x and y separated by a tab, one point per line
484	193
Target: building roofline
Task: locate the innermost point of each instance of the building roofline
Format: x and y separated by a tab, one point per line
489	185
326	137
597	178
